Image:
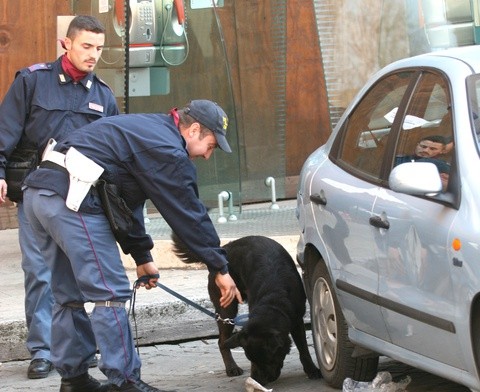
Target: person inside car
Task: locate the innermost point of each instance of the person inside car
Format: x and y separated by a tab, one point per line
427	147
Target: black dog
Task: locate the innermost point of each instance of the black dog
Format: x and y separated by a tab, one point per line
268	280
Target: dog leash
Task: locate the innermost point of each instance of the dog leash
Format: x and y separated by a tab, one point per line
186	300
240	320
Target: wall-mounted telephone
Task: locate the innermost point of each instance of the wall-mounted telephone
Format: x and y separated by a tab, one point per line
143	28
150	20
156	33
156	36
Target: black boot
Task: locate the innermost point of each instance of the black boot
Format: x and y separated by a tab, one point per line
83	383
39	368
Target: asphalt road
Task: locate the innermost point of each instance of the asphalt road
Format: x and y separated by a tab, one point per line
197	366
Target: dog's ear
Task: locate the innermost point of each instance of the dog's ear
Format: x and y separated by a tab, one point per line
238	339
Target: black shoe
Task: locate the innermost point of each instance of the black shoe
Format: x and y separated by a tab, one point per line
139	386
39	368
83	383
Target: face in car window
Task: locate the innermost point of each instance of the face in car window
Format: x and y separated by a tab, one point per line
427	129
429	149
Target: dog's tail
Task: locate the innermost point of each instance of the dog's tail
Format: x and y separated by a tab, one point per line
182	251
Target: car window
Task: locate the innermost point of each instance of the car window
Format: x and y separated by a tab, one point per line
473	87
366	131
426	133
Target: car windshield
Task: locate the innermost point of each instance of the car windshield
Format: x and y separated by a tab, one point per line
473	86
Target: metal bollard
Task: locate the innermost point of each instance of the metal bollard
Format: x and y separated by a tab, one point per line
270	182
222	196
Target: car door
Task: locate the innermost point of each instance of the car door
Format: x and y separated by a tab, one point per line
415	286
344	188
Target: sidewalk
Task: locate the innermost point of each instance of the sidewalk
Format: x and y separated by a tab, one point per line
160	317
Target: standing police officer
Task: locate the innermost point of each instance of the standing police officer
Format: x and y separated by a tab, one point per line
146	156
45	101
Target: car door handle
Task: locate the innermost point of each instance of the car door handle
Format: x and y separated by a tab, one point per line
319	199
377	221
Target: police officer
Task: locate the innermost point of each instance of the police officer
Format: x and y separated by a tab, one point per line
146	156
45	101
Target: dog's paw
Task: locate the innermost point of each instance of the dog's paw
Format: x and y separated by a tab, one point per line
315	374
234	371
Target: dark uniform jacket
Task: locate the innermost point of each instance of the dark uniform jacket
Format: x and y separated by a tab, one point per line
43	102
146	157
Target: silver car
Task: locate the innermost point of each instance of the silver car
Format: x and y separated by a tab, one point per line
389	211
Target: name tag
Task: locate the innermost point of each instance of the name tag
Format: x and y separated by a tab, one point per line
95	106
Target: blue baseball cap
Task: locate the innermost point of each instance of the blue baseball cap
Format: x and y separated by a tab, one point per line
212	116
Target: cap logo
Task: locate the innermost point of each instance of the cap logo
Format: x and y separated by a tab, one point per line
225	123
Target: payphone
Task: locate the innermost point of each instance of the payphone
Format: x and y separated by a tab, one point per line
156	38
145	27
156	33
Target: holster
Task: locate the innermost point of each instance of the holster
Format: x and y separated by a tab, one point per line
20	163
118	214
83	173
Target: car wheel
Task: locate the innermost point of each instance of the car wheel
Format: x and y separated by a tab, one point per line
330	335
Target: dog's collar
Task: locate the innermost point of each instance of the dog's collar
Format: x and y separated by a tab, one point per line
240	320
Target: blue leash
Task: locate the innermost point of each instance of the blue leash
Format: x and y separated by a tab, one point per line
186	300
240	320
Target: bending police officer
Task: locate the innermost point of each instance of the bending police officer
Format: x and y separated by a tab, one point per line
146	156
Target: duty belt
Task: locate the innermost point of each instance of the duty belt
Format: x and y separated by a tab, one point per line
110	304
53	165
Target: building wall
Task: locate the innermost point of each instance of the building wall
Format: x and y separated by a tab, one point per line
28	36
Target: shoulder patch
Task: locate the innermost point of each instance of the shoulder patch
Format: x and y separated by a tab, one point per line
39	66
103	82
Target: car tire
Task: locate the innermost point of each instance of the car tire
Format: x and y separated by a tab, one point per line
330	335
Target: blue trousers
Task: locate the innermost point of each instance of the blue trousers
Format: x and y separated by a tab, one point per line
83	257
38	295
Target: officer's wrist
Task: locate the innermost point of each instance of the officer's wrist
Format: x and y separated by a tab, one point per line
222	271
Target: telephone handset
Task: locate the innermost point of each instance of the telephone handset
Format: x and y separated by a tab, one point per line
180	11
119	10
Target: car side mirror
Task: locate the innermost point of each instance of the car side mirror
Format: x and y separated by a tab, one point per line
416	178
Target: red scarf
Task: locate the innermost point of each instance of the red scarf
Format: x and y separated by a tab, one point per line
176	117
71	70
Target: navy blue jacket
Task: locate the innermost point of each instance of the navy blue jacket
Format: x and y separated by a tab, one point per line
146	157
43	102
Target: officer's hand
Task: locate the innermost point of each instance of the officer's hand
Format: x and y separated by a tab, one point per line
3	191
228	289
148	269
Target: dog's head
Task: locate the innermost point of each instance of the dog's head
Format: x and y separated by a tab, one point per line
266	349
